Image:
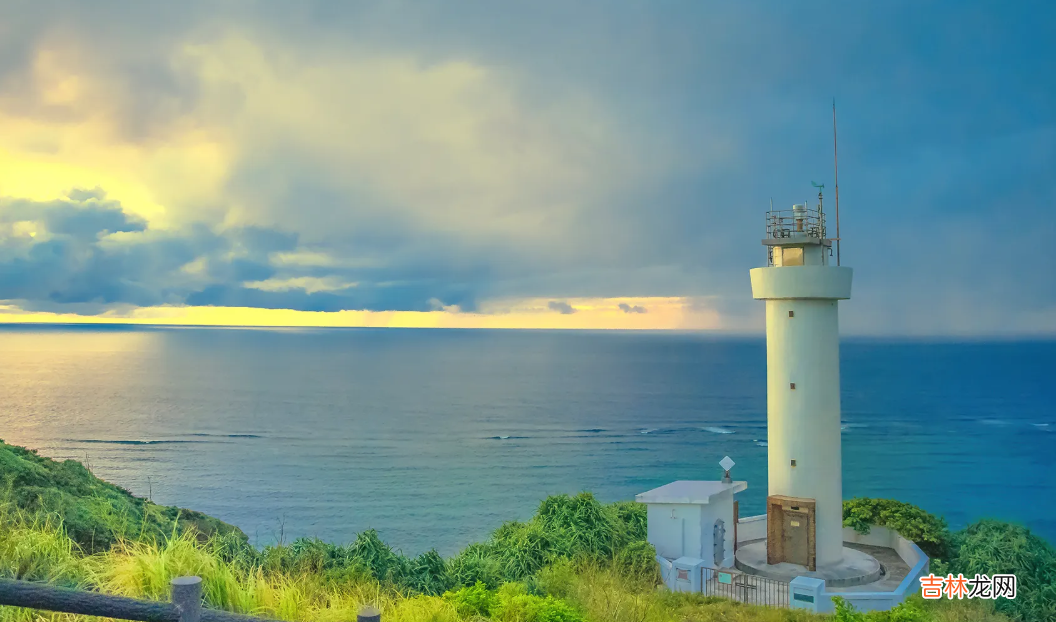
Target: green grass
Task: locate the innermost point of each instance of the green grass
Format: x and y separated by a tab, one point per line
575	560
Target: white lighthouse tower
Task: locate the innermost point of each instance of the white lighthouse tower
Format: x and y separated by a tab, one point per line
801	289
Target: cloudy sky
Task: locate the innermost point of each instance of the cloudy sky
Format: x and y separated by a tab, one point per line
590	164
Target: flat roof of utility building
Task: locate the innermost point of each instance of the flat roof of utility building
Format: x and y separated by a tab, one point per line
689	492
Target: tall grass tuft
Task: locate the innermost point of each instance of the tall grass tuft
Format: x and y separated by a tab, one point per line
37	548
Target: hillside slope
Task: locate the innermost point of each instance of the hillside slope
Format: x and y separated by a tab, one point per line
95	513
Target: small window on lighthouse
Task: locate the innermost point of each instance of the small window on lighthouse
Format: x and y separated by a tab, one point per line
792	256
794	464
791	314
792	386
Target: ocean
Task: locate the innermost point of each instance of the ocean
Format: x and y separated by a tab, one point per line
435	437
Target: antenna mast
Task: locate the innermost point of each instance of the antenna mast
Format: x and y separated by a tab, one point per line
836	166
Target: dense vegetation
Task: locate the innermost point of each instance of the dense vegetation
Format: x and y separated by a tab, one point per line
575	560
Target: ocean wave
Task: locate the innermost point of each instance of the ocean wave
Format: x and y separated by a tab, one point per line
1042	426
993	422
648	430
761	443
505	437
228	435
595	430
717	430
124	442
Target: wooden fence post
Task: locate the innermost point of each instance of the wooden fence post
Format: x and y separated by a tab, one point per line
369	614
187	596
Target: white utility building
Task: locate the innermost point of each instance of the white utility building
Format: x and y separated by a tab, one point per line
801	289
693	519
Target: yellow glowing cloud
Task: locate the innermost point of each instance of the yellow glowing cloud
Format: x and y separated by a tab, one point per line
591	313
69	137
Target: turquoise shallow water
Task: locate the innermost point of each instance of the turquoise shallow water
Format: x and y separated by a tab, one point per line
436	437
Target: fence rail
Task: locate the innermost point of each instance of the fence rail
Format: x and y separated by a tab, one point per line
746	588
186	605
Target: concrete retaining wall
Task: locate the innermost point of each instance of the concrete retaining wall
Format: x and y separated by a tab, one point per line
754	528
751	528
666	571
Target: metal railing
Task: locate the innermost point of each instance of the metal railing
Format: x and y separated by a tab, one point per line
793	223
745	588
186	605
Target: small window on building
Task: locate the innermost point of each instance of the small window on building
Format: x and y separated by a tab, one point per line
792	256
794	464
792	386
791	314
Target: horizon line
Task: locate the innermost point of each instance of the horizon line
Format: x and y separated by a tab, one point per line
761	333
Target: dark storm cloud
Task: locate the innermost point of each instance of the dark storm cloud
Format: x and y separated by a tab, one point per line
76	268
74	262
626	308
85	215
561	307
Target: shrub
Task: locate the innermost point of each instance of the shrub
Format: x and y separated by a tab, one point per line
429	574
476	564
552	610
993	547
580	526
277	558
475	600
911	610
514	604
631	516
556	579
371	554
928	531
523	549
638	561
311	555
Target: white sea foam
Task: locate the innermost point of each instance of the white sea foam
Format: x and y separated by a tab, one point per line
648	430
717	430
761	443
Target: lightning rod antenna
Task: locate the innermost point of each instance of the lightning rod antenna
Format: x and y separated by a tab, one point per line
836	166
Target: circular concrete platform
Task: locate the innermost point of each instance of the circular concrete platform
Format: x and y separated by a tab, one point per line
856	568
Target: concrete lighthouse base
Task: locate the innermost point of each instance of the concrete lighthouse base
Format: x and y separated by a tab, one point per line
856	568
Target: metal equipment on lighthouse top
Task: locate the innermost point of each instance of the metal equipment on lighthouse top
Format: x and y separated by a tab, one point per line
798	227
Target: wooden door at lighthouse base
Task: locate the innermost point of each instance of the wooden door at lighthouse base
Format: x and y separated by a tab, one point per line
794	533
790	536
